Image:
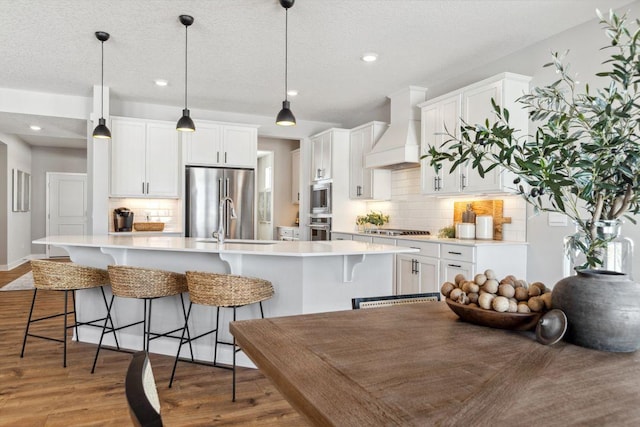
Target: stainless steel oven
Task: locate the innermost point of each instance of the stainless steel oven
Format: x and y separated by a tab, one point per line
320	228
321	198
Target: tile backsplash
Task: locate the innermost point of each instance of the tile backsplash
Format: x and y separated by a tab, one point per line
168	211
408	209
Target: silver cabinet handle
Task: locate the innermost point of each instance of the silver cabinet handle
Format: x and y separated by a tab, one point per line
439	181
225	157
455	253
463	183
435	183
147	188
454	265
143	188
217	157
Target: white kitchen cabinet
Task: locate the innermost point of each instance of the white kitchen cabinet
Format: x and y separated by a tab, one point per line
145	158
503	259
288	233
367	183
321	167
438	120
219	144
341	236
473	107
295	177
416	274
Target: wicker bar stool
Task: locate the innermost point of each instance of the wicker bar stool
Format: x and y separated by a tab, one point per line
146	284
66	277
223	290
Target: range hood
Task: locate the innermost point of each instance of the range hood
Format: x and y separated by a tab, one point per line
399	146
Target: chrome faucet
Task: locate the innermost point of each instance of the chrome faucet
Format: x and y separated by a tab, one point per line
220	234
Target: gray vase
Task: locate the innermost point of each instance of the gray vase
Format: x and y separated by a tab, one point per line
602	309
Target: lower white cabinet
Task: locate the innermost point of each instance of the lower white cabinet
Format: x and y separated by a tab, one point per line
341	236
417	274
503	259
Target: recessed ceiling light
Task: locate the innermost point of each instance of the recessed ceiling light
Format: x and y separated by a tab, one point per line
35	127
160	82
369	57
292	92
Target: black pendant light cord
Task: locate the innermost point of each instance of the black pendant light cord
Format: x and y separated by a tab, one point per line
102	81
186	44
286	53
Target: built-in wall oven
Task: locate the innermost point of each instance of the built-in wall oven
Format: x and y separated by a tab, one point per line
321	198
320	227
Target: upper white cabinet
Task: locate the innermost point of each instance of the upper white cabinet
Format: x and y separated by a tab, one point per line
321	156
219	144
438	118
471	104
366	183
145	158
295	176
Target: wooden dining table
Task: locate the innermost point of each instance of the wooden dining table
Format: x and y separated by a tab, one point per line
420	365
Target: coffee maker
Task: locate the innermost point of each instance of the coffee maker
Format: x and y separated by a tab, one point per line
122	219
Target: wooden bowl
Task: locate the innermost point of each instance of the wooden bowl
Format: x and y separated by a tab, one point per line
494	319
148	226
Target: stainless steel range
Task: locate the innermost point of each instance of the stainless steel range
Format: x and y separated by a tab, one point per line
396	232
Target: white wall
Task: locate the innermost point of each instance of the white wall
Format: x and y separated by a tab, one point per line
284	212
43	160
4	203
18	241
583	42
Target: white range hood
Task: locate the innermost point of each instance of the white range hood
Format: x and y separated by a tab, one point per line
399	146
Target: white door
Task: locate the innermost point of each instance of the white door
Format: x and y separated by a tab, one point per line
66	199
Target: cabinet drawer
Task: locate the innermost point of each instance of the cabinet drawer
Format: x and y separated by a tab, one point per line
426	248
360	238
458	252
340	236
384	241
286	232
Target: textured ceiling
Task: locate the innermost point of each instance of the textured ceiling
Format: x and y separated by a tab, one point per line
236	48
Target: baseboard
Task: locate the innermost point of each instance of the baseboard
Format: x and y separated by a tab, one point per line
19	262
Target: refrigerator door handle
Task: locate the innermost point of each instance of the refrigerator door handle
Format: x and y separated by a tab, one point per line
227	209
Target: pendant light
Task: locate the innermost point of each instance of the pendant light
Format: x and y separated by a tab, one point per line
285	116
185	124
102	131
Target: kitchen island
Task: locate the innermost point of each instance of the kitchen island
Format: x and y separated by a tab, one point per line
308	277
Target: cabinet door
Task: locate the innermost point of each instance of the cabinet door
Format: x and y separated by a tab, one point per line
295	177
429	274
356	164
449	270
240	146
327	139
203	146
437	120
407	279
162	160
477	108
128	157
316	158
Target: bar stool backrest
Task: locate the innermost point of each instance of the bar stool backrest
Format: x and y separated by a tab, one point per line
136	282
55	275
226	290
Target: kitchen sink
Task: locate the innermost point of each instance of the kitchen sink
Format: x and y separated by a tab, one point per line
239	241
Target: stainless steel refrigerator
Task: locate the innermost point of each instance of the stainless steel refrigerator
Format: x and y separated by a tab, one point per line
205	187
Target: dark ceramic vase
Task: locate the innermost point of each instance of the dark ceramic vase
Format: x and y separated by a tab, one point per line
602	309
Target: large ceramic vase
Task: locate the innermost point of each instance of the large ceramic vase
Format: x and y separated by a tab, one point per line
602	309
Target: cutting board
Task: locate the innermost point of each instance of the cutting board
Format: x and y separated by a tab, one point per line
484	207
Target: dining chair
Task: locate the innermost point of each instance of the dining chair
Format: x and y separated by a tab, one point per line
387	300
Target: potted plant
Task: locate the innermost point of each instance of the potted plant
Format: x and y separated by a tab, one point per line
584	159
376	219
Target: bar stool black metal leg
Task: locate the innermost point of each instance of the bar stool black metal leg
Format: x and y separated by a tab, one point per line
75	313
186	326
261	310
233	398
215	345
108	316
26	332
95	359
175	362
64	337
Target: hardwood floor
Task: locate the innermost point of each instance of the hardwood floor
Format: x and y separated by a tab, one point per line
37	391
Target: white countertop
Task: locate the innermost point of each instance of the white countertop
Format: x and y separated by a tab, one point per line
252	247
436	239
